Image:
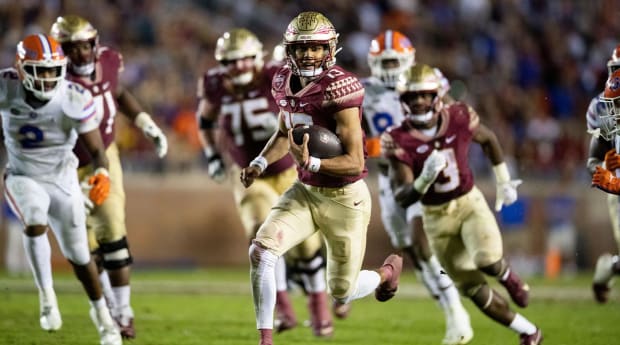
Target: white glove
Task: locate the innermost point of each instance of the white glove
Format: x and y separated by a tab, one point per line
150	130
215	166
506	194
506	188
433	165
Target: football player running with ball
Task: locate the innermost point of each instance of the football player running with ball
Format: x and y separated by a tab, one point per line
98	68
237	115
42	117
428	162
330	195
603	163
391	53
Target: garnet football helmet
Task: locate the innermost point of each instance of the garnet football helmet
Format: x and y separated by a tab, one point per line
390	54
611	99
72	29
614	62
37	56
237	44
419	79
311	28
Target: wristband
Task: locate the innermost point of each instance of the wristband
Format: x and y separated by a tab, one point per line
501	172
208	152
143	119
421	185
313	164
101	170
260	162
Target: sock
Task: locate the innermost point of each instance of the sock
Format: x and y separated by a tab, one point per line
367	282
121	295
39	255
262	274
106	288
98	304
521	325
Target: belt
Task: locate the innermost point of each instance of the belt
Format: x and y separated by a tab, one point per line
327	191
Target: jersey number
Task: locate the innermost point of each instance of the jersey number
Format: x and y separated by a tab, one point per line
259	120
450	173
111	105
31	136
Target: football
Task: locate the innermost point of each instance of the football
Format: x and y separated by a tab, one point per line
322	143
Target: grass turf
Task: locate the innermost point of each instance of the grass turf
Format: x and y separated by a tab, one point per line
214	307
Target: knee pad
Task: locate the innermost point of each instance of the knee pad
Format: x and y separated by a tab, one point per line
116	254
339	288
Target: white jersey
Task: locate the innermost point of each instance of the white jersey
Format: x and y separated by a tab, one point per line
381	106
40	141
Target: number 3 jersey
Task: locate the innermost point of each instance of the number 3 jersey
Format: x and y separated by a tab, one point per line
453	138
247	119
103	87
39	141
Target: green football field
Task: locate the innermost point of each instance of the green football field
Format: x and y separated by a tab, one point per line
214	307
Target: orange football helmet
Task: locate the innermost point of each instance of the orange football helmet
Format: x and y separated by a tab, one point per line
391	53
611	99
41	65
614	62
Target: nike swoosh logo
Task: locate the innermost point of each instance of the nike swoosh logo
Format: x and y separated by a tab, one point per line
356	203
450	139
303	104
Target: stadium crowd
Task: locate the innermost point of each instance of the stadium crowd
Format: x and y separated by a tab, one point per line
529	67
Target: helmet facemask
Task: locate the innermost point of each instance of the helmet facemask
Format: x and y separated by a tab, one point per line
241	53
72	32
390	54
306	30
611	100
41	65
419	94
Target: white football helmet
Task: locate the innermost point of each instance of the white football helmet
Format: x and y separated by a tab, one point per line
391	53
236	44
41	65
611	99
614	62
311	28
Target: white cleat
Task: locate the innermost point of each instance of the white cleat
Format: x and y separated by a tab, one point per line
458	326
108	331
49	314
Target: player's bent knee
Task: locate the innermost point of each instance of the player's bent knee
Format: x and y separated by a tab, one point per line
339	288
78	255
116	254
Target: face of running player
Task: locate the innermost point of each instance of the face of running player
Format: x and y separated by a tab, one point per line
81	56
420	108
240	71
310	58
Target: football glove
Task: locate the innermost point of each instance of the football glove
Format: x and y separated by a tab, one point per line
99	186
506	192
433	165
215	166
612	160
605	180
153	132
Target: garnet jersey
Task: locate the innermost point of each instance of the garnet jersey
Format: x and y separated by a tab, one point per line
247	120
108	66
334	90
453	138
39	141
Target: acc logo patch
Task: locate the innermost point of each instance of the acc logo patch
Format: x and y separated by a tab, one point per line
422	148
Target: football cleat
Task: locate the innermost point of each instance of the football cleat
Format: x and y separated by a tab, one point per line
518	291
531	339
341	310
49	314
458	326
108	331
124	320
391	268
603	274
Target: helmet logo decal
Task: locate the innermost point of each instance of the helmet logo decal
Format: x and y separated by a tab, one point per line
614	83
